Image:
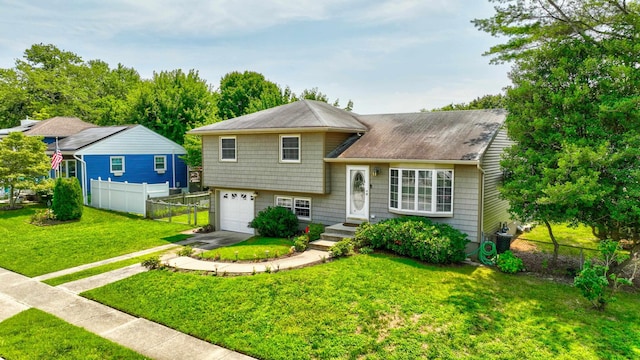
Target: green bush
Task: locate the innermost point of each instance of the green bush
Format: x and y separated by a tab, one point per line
153	263
67	199
596	281
365	250
42	217
342	248
185	251
509	263
275	221
301	243
416	237
314	231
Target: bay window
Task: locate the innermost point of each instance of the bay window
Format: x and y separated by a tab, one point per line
421	191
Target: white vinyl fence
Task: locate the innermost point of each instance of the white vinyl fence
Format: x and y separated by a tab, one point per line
124	196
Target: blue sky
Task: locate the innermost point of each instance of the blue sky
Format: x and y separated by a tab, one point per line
387	56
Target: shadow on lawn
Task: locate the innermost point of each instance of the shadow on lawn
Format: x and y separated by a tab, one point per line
176	238
553	315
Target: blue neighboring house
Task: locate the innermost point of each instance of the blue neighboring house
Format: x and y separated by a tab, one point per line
129	153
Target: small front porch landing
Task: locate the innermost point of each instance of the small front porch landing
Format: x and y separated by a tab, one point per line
333	234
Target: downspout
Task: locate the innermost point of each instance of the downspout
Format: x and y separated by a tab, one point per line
84	178
173	161
481	210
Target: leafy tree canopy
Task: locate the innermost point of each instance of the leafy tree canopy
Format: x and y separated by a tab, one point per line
172	103
22	162
574	110
483	102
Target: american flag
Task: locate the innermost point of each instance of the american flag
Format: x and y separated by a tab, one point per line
56	158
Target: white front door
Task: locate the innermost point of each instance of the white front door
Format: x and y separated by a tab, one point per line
357	193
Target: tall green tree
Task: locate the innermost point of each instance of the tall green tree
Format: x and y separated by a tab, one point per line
22	162
249	91
172	103
574	110
49	82
482	102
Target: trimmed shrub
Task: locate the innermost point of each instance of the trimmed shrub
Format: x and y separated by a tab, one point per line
301	243
509	263
416	237
67	199
275	221
342	248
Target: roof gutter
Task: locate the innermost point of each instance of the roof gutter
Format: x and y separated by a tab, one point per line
386	161
276	131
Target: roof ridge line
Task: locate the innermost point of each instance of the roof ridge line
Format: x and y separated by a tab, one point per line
315	112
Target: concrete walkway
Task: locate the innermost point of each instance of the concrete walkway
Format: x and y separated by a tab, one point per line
309	257
18	292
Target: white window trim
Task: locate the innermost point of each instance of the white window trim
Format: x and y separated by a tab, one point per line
116	172
434	193
299	148
164	163
293	204
235	148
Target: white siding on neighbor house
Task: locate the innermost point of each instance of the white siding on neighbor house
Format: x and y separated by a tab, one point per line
495	209
258	164
136	140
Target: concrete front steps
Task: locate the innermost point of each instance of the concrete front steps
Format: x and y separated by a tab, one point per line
331	235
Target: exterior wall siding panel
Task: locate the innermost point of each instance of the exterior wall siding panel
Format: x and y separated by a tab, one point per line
495	209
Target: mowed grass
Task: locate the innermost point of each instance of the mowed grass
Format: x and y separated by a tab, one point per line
571	239
99	269
383	307
35	250
33	334
254	248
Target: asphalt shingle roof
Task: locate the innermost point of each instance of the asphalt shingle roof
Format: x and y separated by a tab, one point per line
297	115
442	135
59	126
85	138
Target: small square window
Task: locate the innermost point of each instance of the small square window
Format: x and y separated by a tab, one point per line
228	149
290	148
160	163
117	164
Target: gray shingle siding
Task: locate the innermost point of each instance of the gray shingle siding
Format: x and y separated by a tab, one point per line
258	164
331	208
495	209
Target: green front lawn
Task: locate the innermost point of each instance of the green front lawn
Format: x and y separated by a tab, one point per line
35	250
100	269
383	307
33	334
574	237
251	249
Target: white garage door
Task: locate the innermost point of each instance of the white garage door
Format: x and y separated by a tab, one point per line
236	210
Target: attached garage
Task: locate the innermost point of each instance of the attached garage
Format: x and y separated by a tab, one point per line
237	209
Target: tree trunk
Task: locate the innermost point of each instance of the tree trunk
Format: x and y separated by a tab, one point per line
634	256
556	246
12	200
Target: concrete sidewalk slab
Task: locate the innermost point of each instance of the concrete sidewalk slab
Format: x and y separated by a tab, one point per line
107	261
103	279
9	307
144	336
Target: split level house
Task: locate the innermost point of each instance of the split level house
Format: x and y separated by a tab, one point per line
332	166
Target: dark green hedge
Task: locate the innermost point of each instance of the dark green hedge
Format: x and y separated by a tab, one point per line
416	237
67	201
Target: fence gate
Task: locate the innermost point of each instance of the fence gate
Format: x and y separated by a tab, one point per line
191	209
